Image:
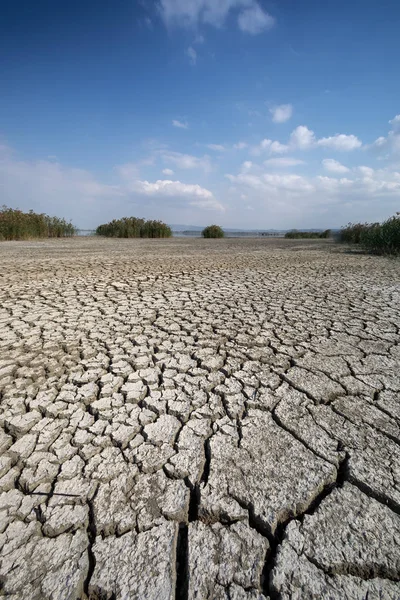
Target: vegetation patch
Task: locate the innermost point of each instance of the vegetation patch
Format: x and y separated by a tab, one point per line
294	234
131	227
377	238
18	225
213	231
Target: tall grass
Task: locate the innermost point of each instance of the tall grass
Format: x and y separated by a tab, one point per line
131	227
302	235
18	225
378	238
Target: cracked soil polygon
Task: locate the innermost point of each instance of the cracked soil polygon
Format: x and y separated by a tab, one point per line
198	419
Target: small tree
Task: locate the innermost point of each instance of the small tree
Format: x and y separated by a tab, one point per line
213	231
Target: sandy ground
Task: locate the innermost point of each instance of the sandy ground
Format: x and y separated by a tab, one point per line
198	419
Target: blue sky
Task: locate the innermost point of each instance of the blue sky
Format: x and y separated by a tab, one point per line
246	113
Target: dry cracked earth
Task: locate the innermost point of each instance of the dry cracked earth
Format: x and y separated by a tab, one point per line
197	419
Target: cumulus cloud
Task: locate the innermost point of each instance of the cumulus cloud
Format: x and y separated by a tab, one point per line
380	141
365	171
252	18
366	185
395	121
246	166
302	138
167	172
281	113
267	145
192	55
255	20
180	124
187	161
283	162
340	142
334	166
391	143
197	195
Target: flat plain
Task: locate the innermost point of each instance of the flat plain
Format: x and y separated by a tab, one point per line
199	419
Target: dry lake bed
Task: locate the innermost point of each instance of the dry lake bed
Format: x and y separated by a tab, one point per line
199	419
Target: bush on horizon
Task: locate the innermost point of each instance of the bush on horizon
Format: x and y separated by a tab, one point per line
18	225
213	231
377	238
132	227
294	234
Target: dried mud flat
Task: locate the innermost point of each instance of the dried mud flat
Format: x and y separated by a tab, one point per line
198	419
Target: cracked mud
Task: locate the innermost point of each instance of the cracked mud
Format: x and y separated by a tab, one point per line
198	419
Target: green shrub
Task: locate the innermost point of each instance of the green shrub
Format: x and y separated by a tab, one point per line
213	231
131	227
294	234
378	238
17	225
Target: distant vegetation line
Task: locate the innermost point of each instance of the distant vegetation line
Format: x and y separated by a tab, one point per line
18	225
377	238
294	234
131	227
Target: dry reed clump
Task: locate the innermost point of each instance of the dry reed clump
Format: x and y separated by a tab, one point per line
377	238
132	227
18	225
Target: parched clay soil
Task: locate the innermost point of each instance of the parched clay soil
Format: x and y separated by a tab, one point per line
198	419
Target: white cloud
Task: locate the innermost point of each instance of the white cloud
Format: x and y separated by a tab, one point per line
193	13
340	142
216	147
166	187
273	147
380	141
369	185
334	166
246	166
167	172
240	145
278	148
273	183
366	171
395	121
255	20
187	161
283	162
192	55
302	138
281	113
180	124
391	143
